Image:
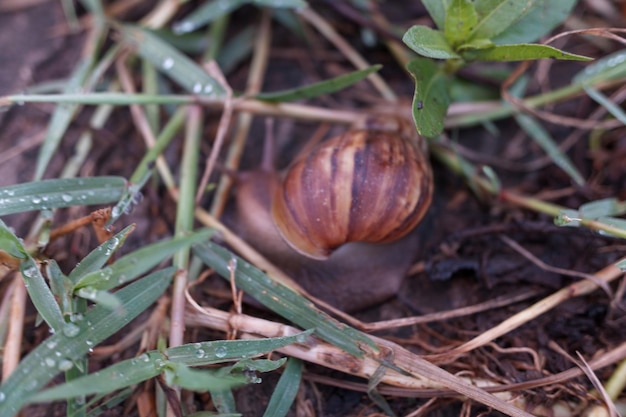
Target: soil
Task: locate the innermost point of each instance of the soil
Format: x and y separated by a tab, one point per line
465	257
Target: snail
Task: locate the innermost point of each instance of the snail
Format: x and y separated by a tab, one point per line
341	218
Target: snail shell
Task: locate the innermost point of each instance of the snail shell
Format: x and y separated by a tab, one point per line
365	185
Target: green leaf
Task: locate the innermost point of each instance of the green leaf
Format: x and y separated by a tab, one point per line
602	208
281	299
543	139
607	103
539	20
217	351
461	18
320	88
62	116
437	11
50	357
520	52
429	43
138	262
64	192
431	98
200	380
610	67
103	298
479	43
285	392
170	61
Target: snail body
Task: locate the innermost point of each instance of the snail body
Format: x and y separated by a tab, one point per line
341	219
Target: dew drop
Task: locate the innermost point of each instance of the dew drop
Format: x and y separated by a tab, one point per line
51	344
208	89
200	353
2	396
50	363
36	200
221	352
71	330
65	365
168	63
67	198
144	357
197	88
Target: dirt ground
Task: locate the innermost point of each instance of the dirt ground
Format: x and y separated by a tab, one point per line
465	256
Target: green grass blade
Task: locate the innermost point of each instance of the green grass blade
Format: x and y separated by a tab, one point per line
205	14
224	402
170	61
47	359
63	192
100	255
320	88
610	67
604	101
116	99
282	300
151	364
139	262
61	117
208	353
38	290
541	136
520	52
286	390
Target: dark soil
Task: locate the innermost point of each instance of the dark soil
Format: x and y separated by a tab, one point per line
465	259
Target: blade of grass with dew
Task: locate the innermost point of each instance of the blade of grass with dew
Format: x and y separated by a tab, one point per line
320	88
59	285
100	255
131	197
138	262
199	380
47	359
62	115
543	139
281	299
285	392
35	284
170	61
100	297
610	67
63	192
150	364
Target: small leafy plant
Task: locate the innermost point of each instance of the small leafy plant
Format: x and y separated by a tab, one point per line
475	30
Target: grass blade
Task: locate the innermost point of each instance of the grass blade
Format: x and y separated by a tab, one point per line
63	192
286	390
320	88
138	262
47	359
281	299
170	61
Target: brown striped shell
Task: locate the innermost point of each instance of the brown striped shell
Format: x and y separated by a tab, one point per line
364	185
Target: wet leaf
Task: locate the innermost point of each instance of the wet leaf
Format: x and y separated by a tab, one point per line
63	192
429	43
610	67
431	98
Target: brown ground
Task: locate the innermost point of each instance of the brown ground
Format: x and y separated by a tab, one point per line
465	260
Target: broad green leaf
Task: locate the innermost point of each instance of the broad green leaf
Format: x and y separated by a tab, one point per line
56	353
431	98
320	88
285	392
138	262
475	44
281	299
63	192
541	18
520	52
543	139
62	116
437	11
610	67
429	43
170	61
496	16
461	18
602	208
